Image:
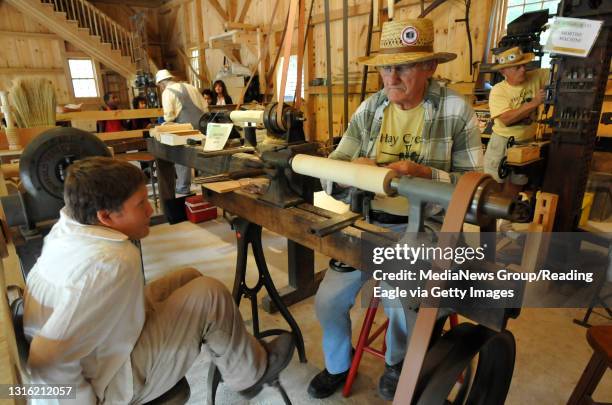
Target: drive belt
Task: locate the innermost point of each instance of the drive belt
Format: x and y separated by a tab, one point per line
426	319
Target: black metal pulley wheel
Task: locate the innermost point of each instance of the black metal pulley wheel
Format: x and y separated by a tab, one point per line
43	164
452	355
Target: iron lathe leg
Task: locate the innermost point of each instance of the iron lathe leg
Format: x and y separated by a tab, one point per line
250	233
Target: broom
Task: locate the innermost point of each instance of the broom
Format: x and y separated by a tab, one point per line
34	103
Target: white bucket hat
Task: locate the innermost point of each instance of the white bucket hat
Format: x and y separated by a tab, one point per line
162	75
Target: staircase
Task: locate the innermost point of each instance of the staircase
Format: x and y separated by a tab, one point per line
89	29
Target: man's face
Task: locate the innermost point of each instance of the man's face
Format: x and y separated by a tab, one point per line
142	104
162	85
208	99
134	217
515	74
406	83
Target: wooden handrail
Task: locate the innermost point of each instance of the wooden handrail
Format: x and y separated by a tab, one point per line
99	24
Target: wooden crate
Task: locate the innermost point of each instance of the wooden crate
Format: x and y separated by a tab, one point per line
523	153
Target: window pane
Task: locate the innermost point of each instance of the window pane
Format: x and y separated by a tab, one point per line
533	7
291	78
84	88
515	2
551	6
81	68
513	14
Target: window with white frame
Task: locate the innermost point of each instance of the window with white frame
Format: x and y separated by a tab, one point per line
194	73
83	76
291	78
516	8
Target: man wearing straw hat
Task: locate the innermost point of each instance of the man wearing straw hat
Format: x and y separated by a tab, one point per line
417	128
513	104
182	103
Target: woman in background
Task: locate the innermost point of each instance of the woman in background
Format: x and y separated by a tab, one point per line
221	97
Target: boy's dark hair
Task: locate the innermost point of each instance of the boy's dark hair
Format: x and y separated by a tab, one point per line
207	92
136	101
99	183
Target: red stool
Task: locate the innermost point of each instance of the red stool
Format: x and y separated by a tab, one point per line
365	340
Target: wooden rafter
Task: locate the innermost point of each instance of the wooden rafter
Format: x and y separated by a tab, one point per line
232	9
245	9
220	10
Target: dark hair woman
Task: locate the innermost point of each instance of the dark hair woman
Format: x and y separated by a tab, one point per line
220	96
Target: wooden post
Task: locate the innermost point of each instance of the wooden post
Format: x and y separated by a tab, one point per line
300	55
293	9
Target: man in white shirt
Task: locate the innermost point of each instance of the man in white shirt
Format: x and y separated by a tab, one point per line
94	324
182	103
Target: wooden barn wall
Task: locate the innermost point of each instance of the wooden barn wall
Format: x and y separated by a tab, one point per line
185	24
27	49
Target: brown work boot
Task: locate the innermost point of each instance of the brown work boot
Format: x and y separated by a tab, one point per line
280	351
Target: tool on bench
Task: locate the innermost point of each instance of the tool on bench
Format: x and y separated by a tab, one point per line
238	174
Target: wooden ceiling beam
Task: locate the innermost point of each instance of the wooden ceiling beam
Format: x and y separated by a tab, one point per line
245	9
232	9
222	13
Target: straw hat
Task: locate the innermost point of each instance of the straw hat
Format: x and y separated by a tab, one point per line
162	75
406	41
512	57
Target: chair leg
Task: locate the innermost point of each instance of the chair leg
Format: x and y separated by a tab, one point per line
361	344
454	320
276	383
588	381
214	378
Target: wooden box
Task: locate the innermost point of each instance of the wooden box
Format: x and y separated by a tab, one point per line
523	153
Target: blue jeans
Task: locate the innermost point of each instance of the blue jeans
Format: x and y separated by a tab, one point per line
334	300
183	179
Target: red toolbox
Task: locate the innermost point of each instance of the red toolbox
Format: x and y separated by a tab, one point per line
199	210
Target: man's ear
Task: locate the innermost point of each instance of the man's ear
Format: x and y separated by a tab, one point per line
104	217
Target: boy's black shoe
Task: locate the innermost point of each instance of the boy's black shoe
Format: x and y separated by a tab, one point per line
280	351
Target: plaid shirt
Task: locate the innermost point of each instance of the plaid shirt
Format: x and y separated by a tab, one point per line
451	139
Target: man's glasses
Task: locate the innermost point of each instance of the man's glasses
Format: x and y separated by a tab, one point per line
399	69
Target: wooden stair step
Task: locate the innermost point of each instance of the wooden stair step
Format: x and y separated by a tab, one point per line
75	30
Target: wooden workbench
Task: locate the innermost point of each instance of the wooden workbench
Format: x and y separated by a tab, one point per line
294	224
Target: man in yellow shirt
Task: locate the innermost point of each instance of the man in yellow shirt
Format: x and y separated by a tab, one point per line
513	104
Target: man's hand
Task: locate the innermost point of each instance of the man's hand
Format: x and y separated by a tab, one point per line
364	161
410	168
539	97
